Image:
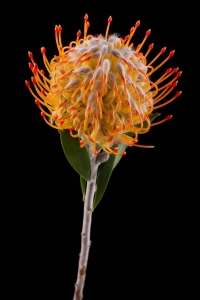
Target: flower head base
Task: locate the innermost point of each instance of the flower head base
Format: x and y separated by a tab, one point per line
99	88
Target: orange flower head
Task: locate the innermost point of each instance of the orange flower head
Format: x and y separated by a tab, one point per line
99	88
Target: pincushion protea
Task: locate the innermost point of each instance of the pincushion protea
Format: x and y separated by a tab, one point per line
99	88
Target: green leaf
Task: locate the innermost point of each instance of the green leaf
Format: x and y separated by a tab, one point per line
121	148
152	118
77	157
83	186
103	177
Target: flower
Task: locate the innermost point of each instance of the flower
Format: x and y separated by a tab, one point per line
99	88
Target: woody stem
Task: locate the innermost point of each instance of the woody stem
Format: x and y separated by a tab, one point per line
85	234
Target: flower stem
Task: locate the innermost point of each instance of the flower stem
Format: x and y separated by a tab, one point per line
85	234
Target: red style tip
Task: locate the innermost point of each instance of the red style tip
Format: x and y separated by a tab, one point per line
131	30
86	17
30	54
178	93
35	68
37	102
137	24
126	38
96	152
179	74
55	117
138	46
171	53
175	70
151	46
27	83
115	149
148	32
70	128
61	121
42	72
56	29
43	50
175	84
81	142
42	114
30	65
33	80
169	117
168	71
123	153
110	19
163	50
79	33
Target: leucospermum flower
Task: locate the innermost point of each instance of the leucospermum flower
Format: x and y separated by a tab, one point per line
99	88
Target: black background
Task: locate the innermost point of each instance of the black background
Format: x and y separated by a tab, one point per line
142	231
